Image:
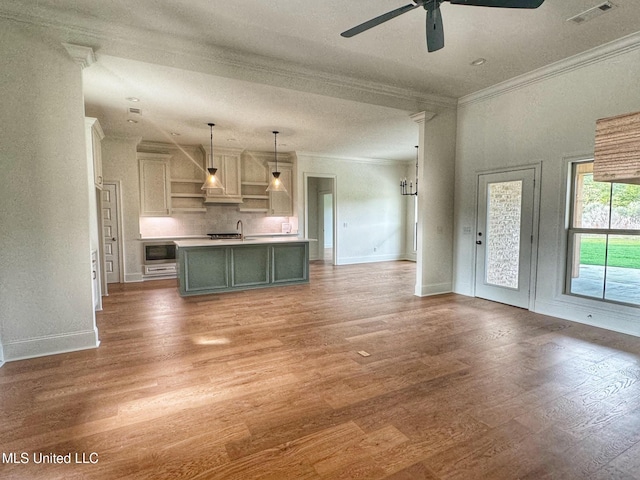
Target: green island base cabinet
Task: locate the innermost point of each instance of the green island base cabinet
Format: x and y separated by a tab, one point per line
215	266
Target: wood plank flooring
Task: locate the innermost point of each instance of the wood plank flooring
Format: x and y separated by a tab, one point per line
269	384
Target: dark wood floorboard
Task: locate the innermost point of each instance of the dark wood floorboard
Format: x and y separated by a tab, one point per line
269	384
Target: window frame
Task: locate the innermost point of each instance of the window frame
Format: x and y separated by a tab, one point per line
572	231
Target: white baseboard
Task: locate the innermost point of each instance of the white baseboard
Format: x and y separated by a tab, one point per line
433	289
610	317
369	259
50	345
133	277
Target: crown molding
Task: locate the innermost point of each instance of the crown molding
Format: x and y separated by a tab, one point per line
83	56
590	57
422	117
364	160
186	53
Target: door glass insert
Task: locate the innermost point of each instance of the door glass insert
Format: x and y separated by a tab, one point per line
504	214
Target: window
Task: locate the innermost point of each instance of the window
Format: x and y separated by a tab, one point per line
603	259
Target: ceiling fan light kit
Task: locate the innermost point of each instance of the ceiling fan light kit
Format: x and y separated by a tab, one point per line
434	28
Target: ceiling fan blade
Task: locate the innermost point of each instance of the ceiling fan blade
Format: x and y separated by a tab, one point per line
500	3
435	31
378	20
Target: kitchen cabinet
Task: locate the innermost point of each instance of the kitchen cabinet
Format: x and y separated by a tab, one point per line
154	169
210	266
257	169
228	163
281	203
186	178
94	136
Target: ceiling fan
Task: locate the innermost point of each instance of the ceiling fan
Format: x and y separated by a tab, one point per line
435	33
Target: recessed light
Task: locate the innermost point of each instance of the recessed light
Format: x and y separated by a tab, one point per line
175	134
479	61
133	99
132	121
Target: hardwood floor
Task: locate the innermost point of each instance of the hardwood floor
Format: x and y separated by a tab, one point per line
269	384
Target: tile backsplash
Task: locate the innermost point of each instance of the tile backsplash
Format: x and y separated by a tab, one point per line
219	219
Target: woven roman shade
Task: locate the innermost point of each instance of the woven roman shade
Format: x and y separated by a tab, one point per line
617	149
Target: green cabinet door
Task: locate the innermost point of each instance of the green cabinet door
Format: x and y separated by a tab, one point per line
290	263
203	269
250	266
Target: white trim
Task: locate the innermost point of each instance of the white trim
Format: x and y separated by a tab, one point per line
595	55
369	161
596	316
51	345
235	64
370	259
334	191
1	354
433	289
83	56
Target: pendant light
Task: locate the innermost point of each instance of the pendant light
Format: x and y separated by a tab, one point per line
276	184
212	180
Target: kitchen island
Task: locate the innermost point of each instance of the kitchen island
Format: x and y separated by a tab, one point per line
215	266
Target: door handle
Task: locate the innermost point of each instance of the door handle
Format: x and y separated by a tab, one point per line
478	242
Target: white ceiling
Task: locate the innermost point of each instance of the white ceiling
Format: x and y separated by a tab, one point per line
256	65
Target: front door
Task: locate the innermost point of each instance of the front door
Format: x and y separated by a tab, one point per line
110	231
504	236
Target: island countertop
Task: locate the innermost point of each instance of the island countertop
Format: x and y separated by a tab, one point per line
205	242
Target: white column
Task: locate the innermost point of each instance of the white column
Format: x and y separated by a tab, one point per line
45	284
436	159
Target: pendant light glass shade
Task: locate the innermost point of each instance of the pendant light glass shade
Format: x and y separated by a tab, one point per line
276	184
212	180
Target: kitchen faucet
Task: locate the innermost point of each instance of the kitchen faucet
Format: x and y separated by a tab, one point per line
241	228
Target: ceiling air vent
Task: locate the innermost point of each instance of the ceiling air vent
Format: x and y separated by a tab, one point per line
591	13
135	111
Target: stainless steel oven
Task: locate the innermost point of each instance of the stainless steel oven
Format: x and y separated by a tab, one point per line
157	252
159	258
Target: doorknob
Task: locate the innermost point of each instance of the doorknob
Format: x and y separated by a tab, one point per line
478	242
113	239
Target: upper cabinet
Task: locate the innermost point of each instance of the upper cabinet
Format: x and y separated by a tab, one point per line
155	200
228	163
187	177
281	203
94	136
171	180
257	168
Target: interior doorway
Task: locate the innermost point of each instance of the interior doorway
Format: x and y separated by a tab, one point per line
320	217
325	225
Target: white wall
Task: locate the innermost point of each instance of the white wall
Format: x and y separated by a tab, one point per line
45	285
547	122
370	210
